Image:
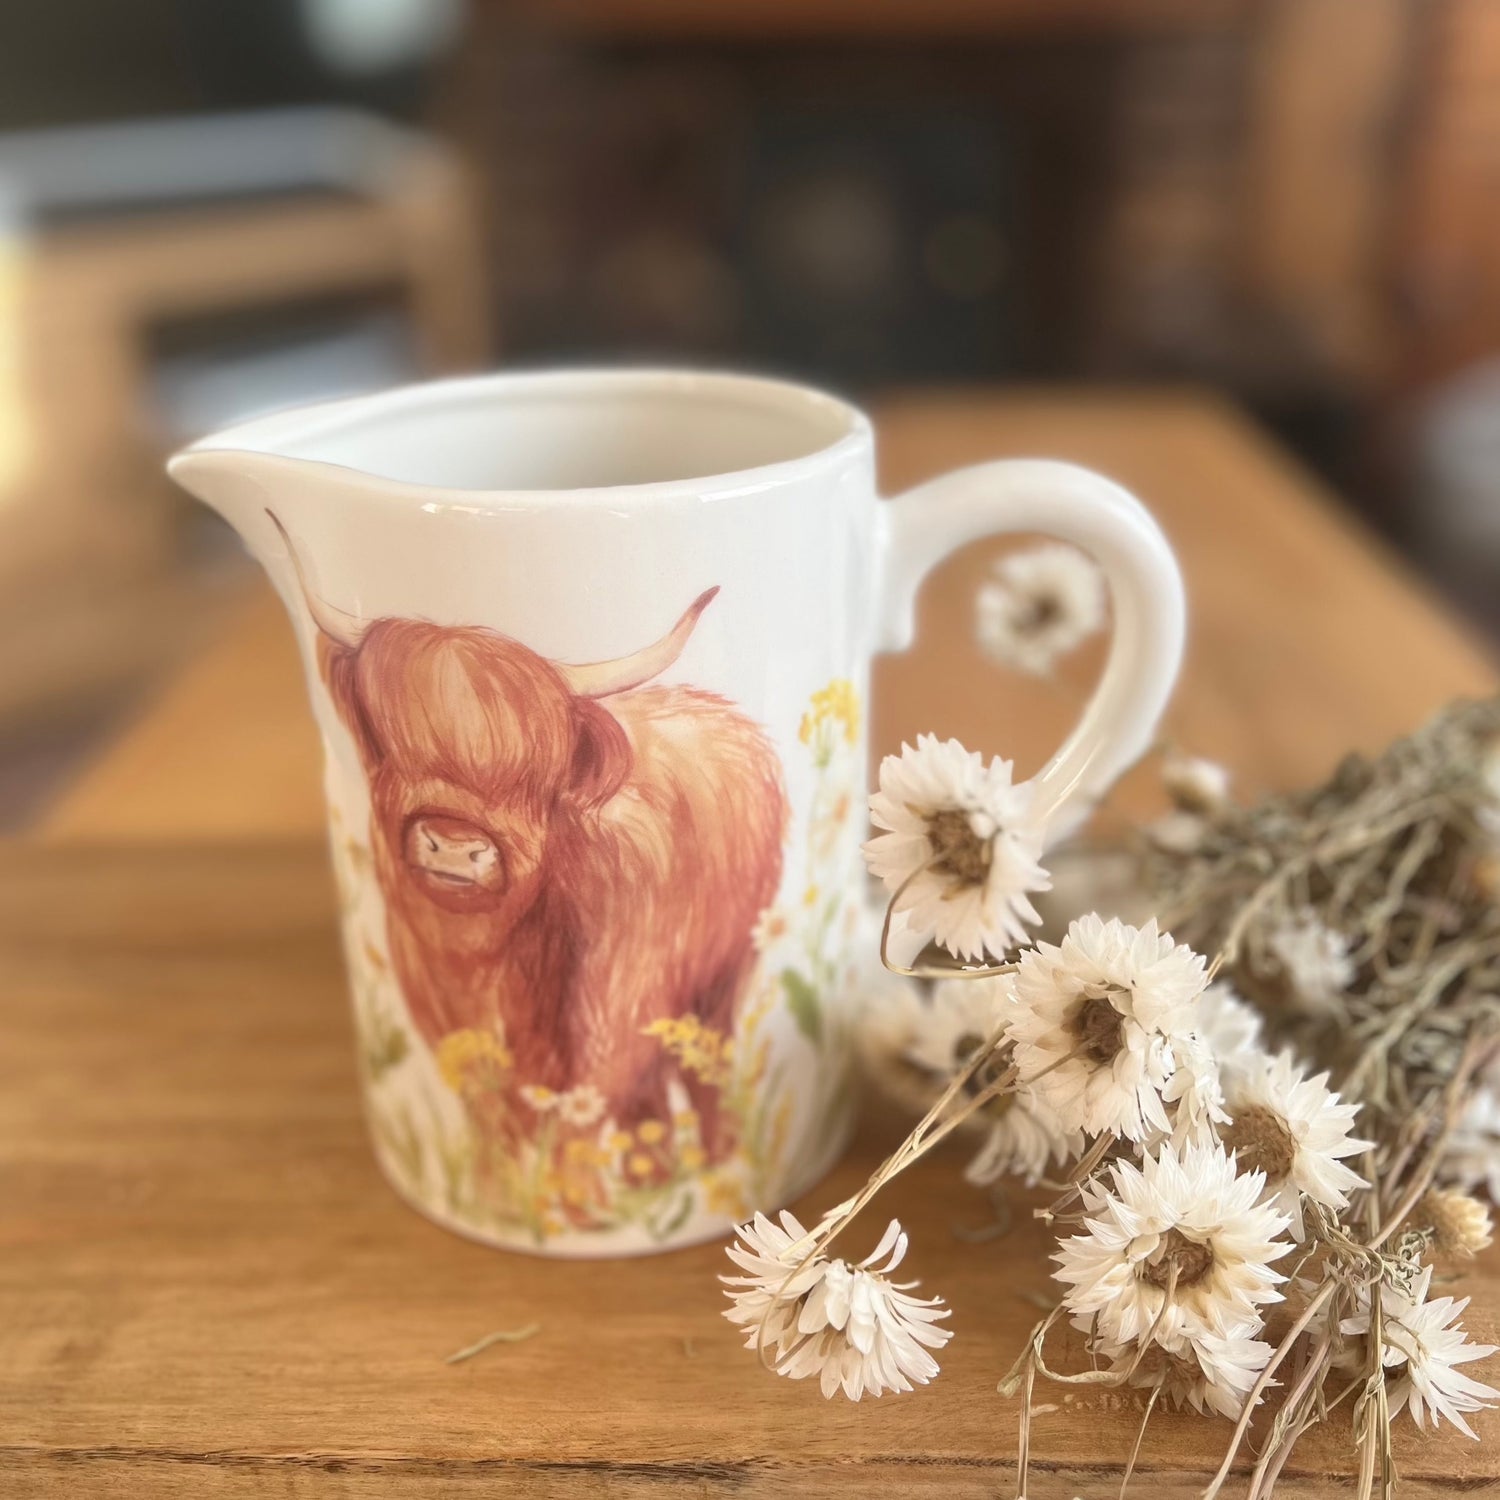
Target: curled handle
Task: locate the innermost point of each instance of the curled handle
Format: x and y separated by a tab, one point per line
1075	505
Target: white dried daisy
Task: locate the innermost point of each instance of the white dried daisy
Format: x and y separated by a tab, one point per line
913	1046
1038	605
1472	1158
1098	1023
1196	785
1187	1216
580	1106
1025	1139
1231	1028
1294	1130
960	849
1194	1095
956	1018
1423	1347
849	1325
1315	960
1207	1373
1023	1135
542	1099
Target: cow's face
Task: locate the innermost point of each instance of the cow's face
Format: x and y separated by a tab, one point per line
480	754
479	758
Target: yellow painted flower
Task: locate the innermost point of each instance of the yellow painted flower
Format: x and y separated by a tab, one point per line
702	1051
810	896
722	1195
640	1165
691	1157
463	1054
575	1193
685	1119
651	1131
620	1140
836	705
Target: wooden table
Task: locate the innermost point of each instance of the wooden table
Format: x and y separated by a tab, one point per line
206	1291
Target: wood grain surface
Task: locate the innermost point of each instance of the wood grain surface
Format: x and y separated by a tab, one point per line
206	1290
1305	637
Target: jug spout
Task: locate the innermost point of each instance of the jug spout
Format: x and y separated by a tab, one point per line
240	484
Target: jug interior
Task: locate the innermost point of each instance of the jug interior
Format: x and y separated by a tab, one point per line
573	432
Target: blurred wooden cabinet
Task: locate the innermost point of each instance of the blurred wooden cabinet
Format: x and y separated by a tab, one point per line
89	527
1446	224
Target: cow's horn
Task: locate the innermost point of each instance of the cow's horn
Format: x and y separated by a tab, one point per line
337	624
600	678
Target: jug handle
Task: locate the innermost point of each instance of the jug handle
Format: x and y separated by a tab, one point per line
924	525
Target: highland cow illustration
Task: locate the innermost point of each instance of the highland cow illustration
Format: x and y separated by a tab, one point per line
566	850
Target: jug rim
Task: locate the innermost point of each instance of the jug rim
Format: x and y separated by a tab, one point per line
277	436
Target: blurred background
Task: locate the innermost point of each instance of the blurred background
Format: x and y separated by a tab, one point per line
211	207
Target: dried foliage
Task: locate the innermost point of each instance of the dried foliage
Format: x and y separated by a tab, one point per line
1394	862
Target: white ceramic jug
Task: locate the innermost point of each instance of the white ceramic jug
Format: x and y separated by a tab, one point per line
590	653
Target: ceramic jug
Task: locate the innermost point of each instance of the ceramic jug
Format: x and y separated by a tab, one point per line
590	654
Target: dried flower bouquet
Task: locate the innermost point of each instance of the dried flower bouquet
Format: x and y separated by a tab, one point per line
1261	1132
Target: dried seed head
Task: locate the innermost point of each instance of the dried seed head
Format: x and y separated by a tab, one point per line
1195	785
1261	1142
1459	1225
1098	1027
1486	877
959	848
1191	1259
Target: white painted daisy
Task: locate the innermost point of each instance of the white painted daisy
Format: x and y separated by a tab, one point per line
1423	1347
580	1106
1207	1373
1472	1157
771	928
960	846
1038	605
1294	1130
1196	785
1098	1023
1315	960
851	1326
1189	1215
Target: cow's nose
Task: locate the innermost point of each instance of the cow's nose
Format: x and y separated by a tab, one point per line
453	851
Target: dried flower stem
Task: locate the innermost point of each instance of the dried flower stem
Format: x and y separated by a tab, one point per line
1475	1051
1263	1380
500	1336
929	1131
1140	1437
